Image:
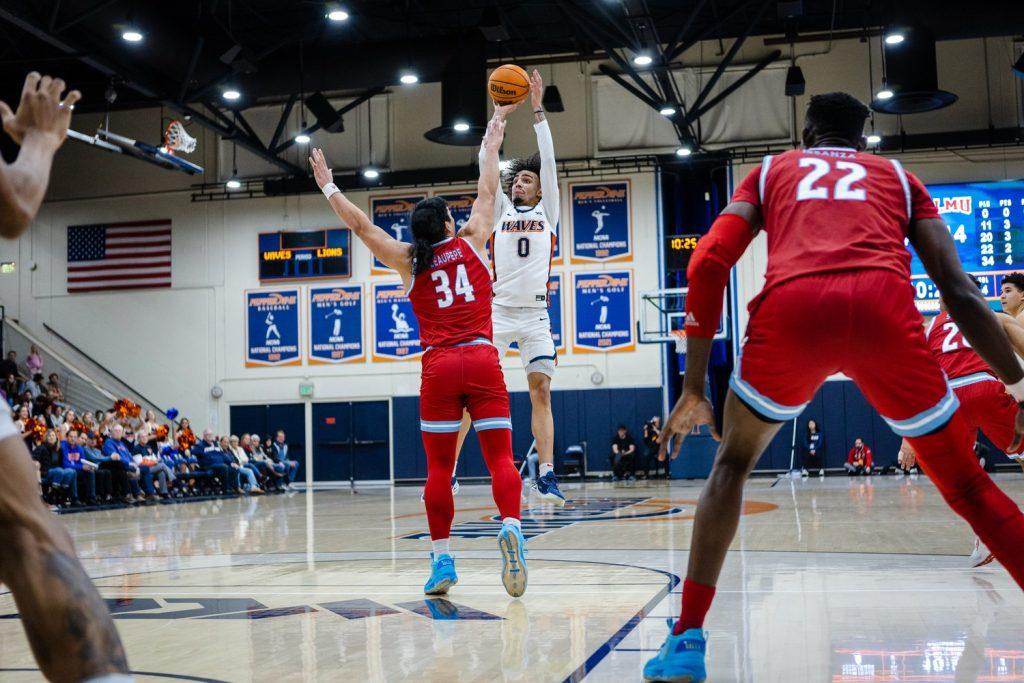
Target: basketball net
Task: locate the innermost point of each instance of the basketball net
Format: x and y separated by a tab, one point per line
177	139
680	339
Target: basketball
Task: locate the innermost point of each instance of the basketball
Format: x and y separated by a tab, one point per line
508	84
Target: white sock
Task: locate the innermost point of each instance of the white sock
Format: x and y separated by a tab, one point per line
511	520
440	547
546	467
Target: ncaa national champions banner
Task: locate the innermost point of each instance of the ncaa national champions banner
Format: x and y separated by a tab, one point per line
396	333
601	217
460	204
336	325
272	328
603	305
394	215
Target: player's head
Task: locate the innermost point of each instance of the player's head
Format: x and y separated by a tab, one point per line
431	222
524	180
835	118
1011	294
977	283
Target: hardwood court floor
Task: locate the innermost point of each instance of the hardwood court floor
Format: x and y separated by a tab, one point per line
833	580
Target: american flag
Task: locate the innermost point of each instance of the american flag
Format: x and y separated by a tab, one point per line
110	256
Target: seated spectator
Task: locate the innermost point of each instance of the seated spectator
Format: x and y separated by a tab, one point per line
212	459
652	442
23	415
34	362
149	422
274	474
104	477
240	460
67	419
53	390
279	454
119	460
12	388
63	482
9	365
145	455
859	460
84	470
623	457
814	450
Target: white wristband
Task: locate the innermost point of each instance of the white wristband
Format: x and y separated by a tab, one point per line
1016	390
330	189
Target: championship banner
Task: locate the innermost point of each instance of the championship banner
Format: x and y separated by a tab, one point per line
272	328
600	215
604	312
336	325
394	215
396	334
460	204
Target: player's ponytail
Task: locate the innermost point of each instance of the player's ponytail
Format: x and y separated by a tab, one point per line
428	228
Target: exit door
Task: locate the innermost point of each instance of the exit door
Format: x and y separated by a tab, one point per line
351	441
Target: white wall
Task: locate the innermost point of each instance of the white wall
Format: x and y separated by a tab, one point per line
174	345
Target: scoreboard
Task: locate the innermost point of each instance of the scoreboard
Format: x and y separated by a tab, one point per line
986	222
678	251
305	255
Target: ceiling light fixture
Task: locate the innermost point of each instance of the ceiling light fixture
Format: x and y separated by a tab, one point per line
643	59
409	79
371	173
231	95
132	35
460	126
667	110
337	15
302	139
684	151
894	38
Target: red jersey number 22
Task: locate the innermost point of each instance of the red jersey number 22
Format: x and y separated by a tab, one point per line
819	168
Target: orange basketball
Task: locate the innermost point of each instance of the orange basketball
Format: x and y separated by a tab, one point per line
508	84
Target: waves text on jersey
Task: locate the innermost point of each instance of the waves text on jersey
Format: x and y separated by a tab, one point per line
521	225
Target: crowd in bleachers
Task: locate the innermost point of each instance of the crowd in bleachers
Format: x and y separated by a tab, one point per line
123	456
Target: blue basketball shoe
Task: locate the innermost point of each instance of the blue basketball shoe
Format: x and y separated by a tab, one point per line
442	575
680	659
547	489
513	559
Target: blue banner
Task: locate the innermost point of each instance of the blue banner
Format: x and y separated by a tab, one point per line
603	311
394	215
336	325
272	328
555	311
600	215
396	333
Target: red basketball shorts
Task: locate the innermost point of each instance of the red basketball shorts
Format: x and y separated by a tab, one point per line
985	405
463	377
861	323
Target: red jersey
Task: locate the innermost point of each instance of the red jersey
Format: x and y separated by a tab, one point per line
829	209
452	298
953	352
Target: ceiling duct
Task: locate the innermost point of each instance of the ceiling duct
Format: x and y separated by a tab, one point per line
912	75
463	98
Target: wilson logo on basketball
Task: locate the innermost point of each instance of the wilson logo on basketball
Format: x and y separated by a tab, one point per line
499	89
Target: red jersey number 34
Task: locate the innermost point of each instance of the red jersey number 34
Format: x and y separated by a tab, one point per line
443	286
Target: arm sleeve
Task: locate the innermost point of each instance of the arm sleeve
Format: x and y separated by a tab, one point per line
708	273
921	205
750	189
551	198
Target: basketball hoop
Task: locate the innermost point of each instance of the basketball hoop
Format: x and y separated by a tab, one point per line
177	139
680	340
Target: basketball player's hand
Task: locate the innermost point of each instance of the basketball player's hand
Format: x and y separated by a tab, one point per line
1018	432
321	173
501	111
41	110
691	410
536	90
907	457
495	133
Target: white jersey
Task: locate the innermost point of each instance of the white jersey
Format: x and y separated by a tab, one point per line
523	240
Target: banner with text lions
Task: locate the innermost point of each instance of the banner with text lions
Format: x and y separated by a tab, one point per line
603	306
272	328
601	217
336	325
396	334
394	215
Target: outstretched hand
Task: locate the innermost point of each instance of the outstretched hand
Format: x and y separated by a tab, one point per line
495	132
690	411
536	90
503	110
321	173
41	110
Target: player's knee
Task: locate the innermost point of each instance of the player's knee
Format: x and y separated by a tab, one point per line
540	388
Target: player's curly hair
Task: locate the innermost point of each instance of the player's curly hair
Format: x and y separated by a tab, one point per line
517	166
1015	279
837	115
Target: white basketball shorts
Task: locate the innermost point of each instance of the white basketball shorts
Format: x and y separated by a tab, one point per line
530	329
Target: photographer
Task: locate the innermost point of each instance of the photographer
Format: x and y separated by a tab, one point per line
652	440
